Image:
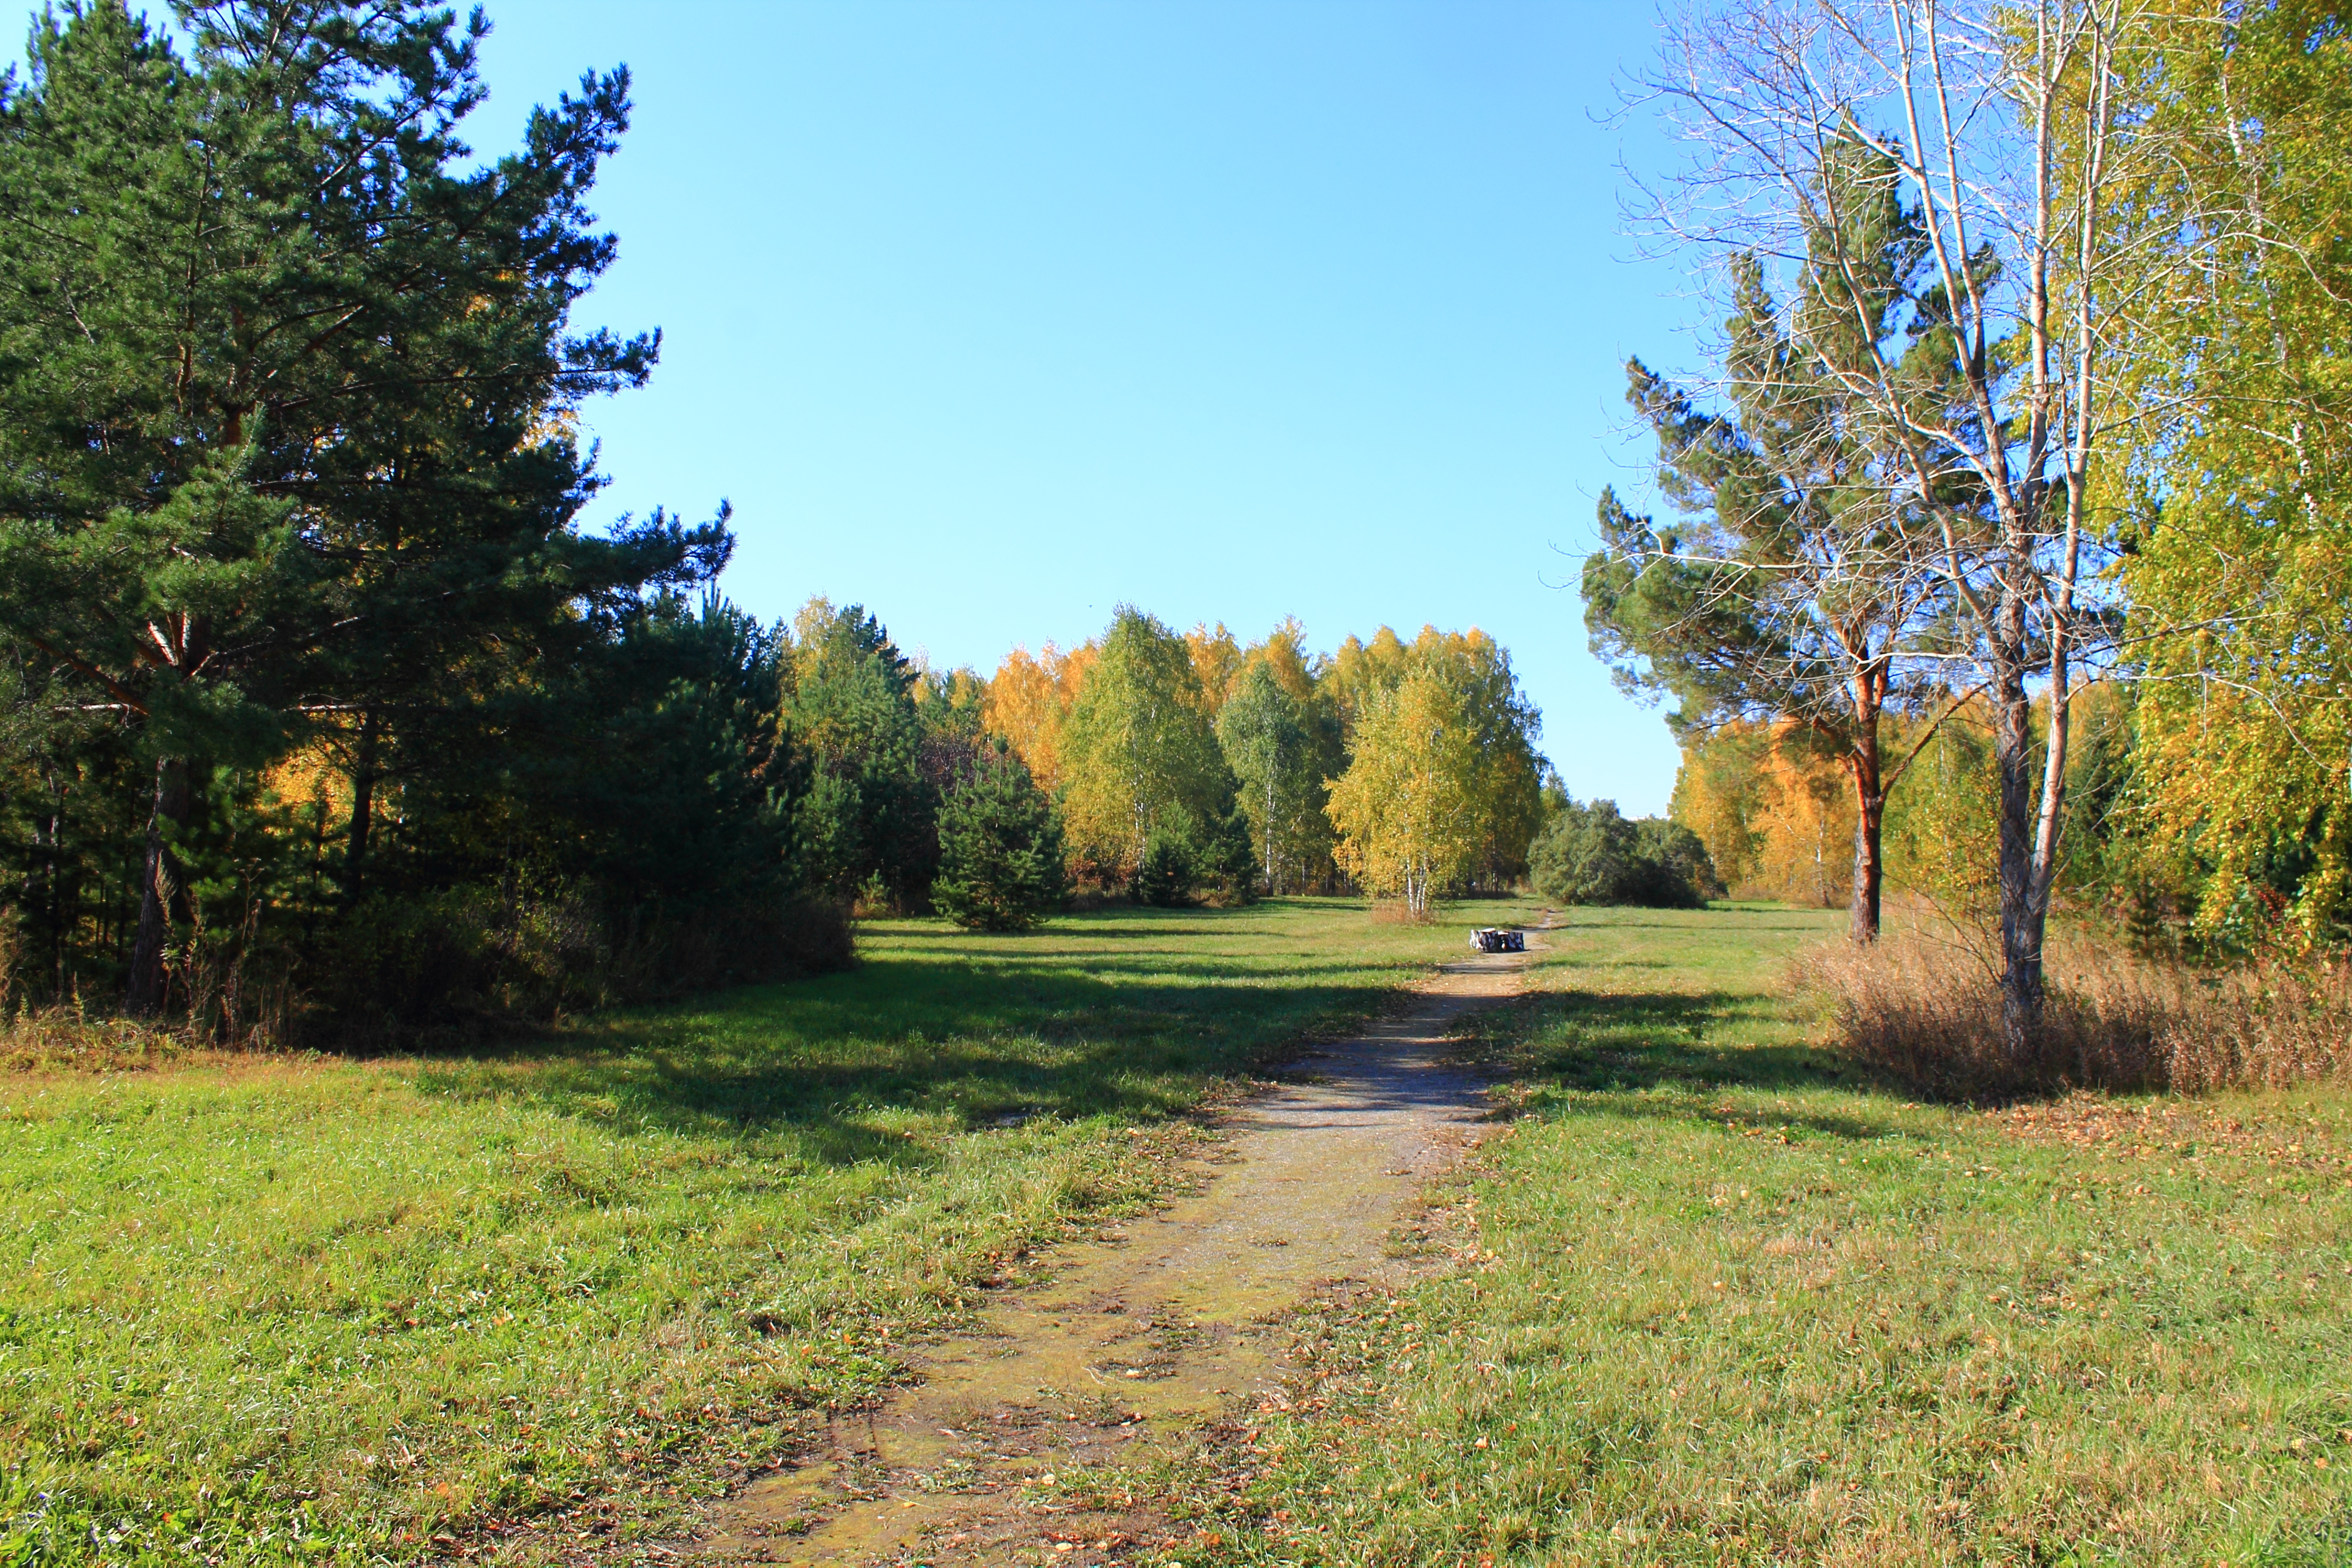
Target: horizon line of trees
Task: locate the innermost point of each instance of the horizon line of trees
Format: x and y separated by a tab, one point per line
1181	764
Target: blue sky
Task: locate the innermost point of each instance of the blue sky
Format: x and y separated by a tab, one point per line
989	316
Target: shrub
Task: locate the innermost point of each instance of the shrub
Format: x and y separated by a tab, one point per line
473	956
1928	1011
1591	855
1000	849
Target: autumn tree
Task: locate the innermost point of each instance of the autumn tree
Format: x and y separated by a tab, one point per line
1360	669
2240	463
1505	725
1028	700
1407	810
1775	806
1136	752
1216	661
1505	782
1284	654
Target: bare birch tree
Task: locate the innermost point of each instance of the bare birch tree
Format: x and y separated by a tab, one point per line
2000	124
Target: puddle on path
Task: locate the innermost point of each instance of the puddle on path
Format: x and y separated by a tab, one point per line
1146	1335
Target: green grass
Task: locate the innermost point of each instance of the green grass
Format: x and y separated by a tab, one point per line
1717	1300
302	1310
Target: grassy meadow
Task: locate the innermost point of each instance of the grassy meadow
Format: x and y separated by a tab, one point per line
275	1311
1720	1299
1716	1296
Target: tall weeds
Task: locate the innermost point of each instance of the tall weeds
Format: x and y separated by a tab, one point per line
1929	1012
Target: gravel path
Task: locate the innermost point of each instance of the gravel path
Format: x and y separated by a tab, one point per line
1146	1333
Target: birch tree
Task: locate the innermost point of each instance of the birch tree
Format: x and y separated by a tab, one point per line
1270	742
1407	809
2000	127
1137	754
2238	470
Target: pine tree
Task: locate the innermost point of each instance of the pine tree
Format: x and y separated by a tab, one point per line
871	819
285	393
1000	848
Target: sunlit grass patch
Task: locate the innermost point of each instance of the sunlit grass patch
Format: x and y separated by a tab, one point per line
1717	1300
267	1311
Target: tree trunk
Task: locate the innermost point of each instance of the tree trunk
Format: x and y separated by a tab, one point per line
1268	830
1867	769
54	860
362	807
160	887
2021	913
1869	865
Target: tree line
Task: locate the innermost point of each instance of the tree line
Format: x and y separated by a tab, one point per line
320	701
1407	769
2009	523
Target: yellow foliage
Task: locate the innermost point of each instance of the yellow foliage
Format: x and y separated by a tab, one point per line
1216	661
1776	815
1407	808
1028	701
1361	667
1284	654
312	776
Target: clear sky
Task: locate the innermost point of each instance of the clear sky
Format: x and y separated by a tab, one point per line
990	316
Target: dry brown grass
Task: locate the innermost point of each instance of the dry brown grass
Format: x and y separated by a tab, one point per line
1928	1010
65	1037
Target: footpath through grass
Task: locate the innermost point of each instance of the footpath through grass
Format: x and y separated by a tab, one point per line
328	1311
1719	1302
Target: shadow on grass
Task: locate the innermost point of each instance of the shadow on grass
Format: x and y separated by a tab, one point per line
937	1029
1604	1053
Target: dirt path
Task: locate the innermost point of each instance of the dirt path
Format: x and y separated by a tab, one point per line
1143	1335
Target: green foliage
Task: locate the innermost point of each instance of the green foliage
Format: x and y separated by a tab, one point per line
302	635
1798	583
1138	754
2237	466
870	824
1214	857
1000	848
1282	751
1226	857
1165	874
1590	854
